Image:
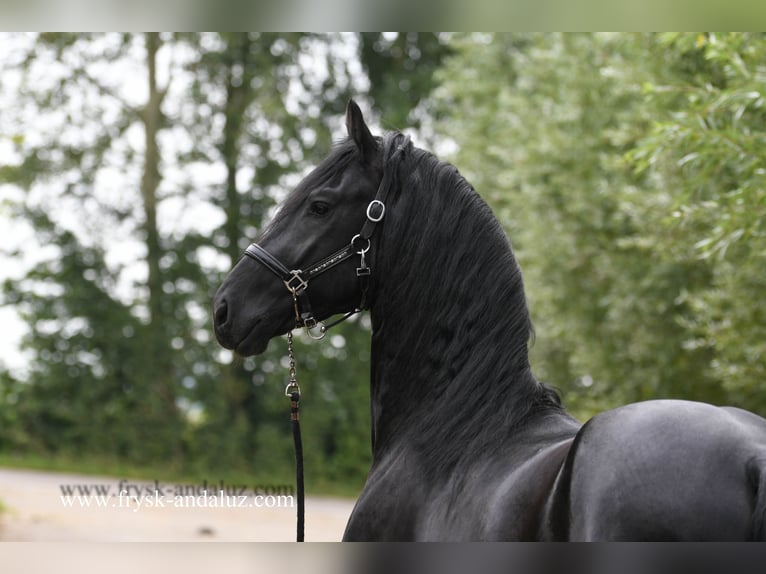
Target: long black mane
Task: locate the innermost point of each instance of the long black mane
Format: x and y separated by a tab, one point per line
450	320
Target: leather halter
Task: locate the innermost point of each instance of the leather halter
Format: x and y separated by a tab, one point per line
297	280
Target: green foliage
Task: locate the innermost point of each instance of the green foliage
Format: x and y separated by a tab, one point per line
401	69
627	168
708	146
89	374
620	163
124	367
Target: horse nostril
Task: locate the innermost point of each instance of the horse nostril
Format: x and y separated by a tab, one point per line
221	313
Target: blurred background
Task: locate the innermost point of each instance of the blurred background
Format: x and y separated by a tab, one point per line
628	169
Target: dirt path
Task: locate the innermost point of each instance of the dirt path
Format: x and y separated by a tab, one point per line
36	510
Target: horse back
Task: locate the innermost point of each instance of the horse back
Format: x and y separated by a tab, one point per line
664	470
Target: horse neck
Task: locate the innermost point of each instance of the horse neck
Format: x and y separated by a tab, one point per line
450	322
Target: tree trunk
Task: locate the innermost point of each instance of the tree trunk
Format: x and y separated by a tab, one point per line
159	353
238	97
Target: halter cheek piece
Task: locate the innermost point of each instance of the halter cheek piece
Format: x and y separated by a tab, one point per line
297	280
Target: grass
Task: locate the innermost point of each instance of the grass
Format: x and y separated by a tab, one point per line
95	466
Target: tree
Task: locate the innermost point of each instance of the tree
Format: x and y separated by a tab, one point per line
274	114
707	145
101	364
401	69
547	125
112	172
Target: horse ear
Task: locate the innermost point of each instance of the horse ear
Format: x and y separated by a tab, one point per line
359	132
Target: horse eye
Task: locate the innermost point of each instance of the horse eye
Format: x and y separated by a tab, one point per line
319	208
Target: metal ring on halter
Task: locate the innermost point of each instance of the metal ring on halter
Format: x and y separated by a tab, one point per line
360	251
322	331
382	205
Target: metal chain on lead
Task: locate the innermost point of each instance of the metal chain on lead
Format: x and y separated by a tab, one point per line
292	385
293	391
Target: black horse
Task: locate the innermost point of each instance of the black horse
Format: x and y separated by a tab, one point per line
466	443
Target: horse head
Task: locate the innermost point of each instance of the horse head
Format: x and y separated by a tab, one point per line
306	265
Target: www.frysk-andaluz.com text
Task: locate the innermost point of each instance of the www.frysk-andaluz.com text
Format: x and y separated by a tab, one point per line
135	496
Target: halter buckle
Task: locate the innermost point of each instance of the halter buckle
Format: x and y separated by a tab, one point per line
379	217
296	282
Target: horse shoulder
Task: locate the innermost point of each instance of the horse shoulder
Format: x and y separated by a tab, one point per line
519	507
387	507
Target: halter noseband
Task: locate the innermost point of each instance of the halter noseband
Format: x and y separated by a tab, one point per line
297	280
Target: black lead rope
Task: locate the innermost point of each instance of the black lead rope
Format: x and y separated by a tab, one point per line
294	399
294	392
